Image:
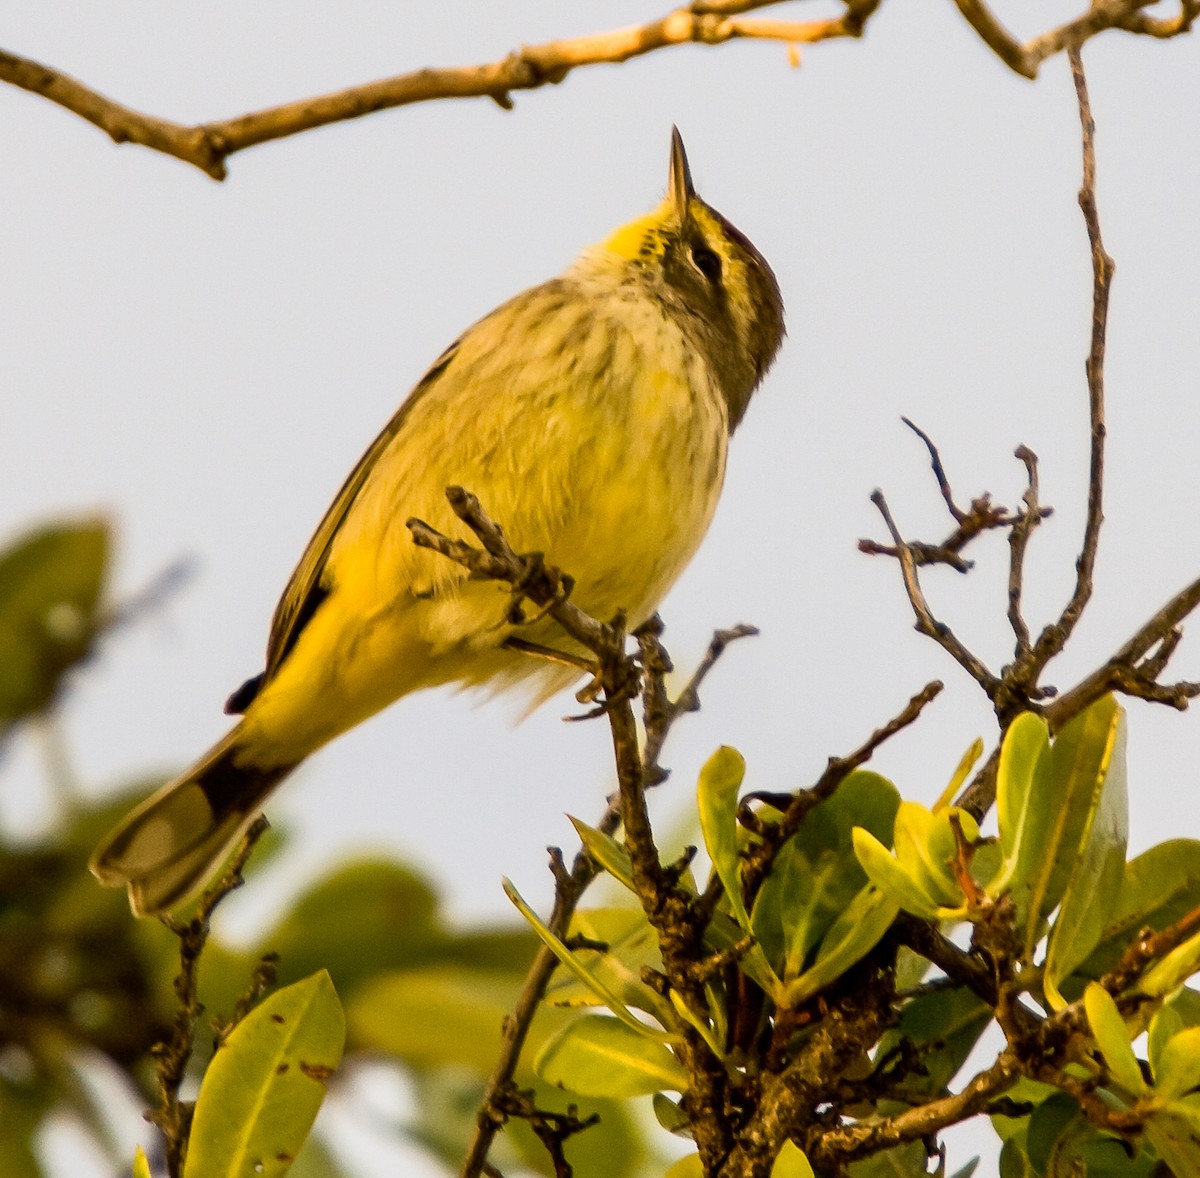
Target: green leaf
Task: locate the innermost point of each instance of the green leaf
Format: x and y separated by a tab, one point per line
902	1161
632	947
265	1084
605	849
1014	1161
1178	1070
595	1055
852	936
893	878
815	873
604	993
921	849
1165	1024
944	1026
1093	887
51	581
1066	786
1112	1038
1025	743
671	1116
1172	970
1157	888
790	1162
1174	1132
717	797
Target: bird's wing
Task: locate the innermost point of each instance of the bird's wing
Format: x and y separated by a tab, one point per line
305	592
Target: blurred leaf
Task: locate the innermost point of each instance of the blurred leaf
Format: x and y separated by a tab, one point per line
614	1148
264	1086
22	1107
1112	1038
317	1160
1095	878
51	582
366	917
686	1167
595	1055
141	1166
434	1016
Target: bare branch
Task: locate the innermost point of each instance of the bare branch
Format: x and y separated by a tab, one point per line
926	623
1054	636
207	146
1025	59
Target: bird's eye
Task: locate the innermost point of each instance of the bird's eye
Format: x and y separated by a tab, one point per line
707	262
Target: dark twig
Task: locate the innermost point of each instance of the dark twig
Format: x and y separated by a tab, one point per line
1052	639
1018	541
173	1116
926	623
661	712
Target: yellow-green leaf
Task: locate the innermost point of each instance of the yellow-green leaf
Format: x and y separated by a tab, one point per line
892	877
265	1084
1095	879
790	1162
717	795
1112	1038
600	1056
605	849
141	1165
1178	1065
689	1166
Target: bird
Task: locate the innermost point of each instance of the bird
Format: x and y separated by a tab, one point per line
590	415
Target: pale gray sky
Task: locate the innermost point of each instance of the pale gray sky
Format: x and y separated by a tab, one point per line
205	362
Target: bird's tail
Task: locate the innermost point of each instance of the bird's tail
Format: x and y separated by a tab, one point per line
166	849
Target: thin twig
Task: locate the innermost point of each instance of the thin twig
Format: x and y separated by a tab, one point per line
926	623
173	1116
1018	541
1052	639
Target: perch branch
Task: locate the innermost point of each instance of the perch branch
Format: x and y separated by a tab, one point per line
208	146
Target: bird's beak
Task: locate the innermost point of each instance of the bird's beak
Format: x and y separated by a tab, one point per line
679	179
